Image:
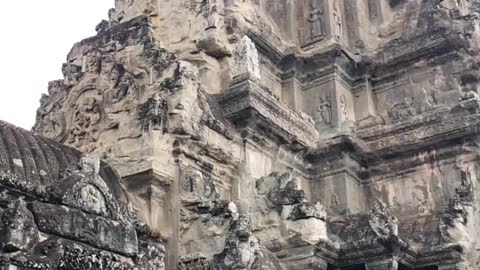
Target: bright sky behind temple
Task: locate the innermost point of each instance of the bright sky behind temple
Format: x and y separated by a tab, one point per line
35	39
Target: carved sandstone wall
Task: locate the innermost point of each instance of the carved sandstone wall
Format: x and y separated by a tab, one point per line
320	134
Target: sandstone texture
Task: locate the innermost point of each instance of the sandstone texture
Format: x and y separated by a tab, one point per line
248	134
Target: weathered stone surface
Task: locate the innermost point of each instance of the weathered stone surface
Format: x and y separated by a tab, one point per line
31	162
52	199
20	231
90	229
267	134
79	258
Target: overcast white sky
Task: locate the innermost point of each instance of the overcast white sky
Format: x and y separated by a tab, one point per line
35	37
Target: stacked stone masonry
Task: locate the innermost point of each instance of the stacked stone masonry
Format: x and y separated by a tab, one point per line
254	134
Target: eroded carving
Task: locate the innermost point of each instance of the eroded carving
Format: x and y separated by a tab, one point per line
315	22
408	62
92	199
246	58
86	117
78	258
324	113
21	232
242	250
337	20
382	221
454	226
151	256
343	109
402	110
199	263
153	113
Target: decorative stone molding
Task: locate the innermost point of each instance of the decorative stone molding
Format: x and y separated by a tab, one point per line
246	103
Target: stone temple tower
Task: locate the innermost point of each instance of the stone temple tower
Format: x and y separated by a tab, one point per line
256	134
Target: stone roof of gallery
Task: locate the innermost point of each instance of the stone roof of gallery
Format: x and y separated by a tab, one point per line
32	159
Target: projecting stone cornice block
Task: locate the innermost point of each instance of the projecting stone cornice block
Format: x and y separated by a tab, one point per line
247	104
90	229
439	127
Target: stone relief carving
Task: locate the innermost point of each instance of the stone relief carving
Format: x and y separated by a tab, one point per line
263	28
308	210
423	230
199	263
21	232
213	17
337	21
126	85
333	202
90	166
201	190
454	225
102	26
212	20
242	249
402	110
151	256
153	112
50	114
420	199
285	198
469	88
71	73
200	6
382	221
343	109
150	8
465	191
315	22
193	182
91	63
86	117
79	258
302	220
354	230
430	99
245	58
85	189
284	192
210	193
92	200
323	115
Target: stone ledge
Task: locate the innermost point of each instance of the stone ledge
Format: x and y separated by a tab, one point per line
246	103
413	135
87	228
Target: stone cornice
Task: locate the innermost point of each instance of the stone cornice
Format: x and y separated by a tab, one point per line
399	55
247	103
266	48
402	138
